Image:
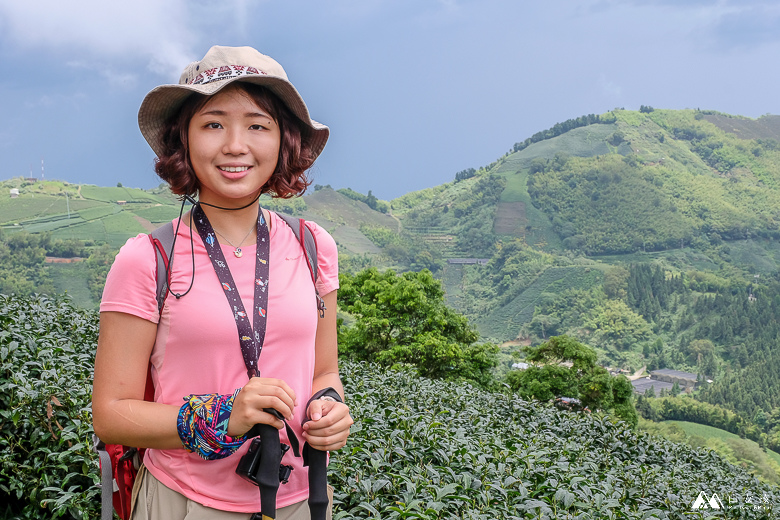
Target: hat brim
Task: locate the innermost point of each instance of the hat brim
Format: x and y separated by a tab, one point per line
164	101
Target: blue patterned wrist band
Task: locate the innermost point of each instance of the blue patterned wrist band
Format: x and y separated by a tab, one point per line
202	425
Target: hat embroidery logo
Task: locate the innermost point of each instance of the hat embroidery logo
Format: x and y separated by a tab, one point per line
224	72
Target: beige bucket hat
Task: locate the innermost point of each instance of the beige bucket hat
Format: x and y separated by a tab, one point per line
220	67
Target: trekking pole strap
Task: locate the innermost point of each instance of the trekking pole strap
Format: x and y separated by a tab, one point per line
268	480
107	486
317	462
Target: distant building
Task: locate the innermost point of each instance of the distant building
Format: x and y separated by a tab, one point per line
683	379
665	379
14	193
642	385
121	202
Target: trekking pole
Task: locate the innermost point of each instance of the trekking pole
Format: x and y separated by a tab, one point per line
317	461
268	474
262	465
318	482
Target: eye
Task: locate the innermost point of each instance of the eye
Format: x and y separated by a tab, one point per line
260	126
213	126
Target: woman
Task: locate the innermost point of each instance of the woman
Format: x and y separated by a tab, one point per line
232	129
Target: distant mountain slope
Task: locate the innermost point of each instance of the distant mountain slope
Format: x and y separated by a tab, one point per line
343	218
766	127
111	215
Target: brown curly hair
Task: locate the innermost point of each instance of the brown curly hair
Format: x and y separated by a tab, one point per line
295	153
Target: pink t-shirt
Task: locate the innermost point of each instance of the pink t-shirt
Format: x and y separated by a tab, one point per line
197	349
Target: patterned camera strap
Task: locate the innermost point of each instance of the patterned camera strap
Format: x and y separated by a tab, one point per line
250	335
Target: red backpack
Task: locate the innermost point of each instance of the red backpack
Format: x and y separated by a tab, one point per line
119	464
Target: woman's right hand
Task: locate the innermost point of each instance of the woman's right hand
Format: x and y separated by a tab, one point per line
257	395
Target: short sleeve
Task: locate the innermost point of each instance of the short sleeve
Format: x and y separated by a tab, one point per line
131	284
327	259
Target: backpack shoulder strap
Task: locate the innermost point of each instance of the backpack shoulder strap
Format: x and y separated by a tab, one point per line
306	238
309	244
162	241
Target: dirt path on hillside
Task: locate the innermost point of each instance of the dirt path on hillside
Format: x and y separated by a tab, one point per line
145	223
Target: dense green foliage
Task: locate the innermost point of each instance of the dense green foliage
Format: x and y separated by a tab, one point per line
689	183
23	268
292	206
561	128
465	174
726	331
737	450
550	377
47	467
403	319
22	258
370	200
430	449
419	449
466	211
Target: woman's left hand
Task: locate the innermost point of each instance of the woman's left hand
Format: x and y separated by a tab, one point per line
328	427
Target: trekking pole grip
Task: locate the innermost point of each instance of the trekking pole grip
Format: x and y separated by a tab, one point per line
318	482
268	476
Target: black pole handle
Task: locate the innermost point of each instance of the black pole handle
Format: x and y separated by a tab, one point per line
318	483
268	475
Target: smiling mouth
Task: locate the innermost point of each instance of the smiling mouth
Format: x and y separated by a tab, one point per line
234	169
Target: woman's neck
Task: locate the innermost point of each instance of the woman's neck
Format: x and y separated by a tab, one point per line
233	225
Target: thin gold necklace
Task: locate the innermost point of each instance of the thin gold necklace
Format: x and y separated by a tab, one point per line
236	248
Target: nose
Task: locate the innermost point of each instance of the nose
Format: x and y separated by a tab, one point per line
235	143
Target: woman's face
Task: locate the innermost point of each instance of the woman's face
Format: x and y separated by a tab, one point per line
234	148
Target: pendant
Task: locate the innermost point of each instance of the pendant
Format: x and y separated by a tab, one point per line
238	252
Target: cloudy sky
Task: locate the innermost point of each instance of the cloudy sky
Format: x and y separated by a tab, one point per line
413	90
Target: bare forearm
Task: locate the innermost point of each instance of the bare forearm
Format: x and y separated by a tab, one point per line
137	423
328	379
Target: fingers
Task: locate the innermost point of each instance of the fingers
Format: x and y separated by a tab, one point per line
315	410
330	431
257	395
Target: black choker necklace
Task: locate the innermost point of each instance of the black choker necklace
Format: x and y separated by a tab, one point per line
197	202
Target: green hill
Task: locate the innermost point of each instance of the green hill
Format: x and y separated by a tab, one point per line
738	451
110	215
652	236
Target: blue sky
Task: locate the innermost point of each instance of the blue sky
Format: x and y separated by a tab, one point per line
413	90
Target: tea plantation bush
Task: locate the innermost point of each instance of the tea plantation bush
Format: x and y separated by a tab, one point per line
430	449
420	448
47	352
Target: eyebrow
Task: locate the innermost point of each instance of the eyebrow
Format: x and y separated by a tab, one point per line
246	114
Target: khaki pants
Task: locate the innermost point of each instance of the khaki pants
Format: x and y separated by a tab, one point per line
152	500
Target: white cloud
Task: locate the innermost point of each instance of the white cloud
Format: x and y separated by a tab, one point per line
149	30
112	75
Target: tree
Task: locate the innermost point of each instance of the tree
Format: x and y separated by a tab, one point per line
371	200
592	384
563	348
403	319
